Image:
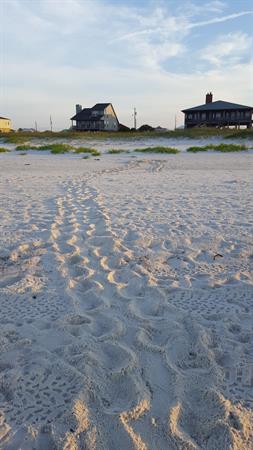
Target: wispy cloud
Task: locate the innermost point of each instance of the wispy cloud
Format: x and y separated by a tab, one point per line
219	19
181	25
228	49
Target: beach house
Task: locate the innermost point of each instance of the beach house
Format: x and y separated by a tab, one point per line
5	125
101	117
218	114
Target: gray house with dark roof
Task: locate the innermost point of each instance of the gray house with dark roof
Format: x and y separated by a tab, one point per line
218	114
101	117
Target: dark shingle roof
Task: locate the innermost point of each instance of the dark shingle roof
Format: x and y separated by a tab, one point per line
218	105
86	113
5	118
100	106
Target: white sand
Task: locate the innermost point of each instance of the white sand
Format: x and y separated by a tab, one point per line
126	295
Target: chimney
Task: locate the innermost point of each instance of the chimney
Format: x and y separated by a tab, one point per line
209	97
78	108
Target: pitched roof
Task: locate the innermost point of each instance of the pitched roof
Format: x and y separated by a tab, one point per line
100	106
5	118
218	105
86	113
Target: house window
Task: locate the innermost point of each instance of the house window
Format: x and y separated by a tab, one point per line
203	116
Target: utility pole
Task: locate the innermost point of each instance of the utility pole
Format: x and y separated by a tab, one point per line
36	126
51	124
135	119
175	121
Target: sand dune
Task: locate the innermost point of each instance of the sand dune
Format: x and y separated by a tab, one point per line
126	293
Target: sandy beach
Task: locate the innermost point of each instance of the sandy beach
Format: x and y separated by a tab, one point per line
126	295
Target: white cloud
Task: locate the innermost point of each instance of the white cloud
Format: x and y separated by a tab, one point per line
227	49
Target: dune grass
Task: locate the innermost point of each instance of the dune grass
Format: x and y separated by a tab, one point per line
56	148
192	133
196	149
92	151
167	150
116	151
223	148
4	150
25	147
240	134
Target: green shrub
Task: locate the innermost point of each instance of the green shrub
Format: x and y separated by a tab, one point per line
4	150
168	150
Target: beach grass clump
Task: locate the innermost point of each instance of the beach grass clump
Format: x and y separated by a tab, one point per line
240	134
230	148
25	147
116	151
85	157
196	149
14	138
56	148
92	151
4	150
167	150
224	148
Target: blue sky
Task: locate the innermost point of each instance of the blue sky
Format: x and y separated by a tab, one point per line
159	56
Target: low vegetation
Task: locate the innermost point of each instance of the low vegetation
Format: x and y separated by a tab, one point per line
229	148
25	147
22	137
195	149
92	151
3	150
224	148
240	134
58	148
115	151
168	150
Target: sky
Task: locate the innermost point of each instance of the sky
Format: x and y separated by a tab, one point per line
159	56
